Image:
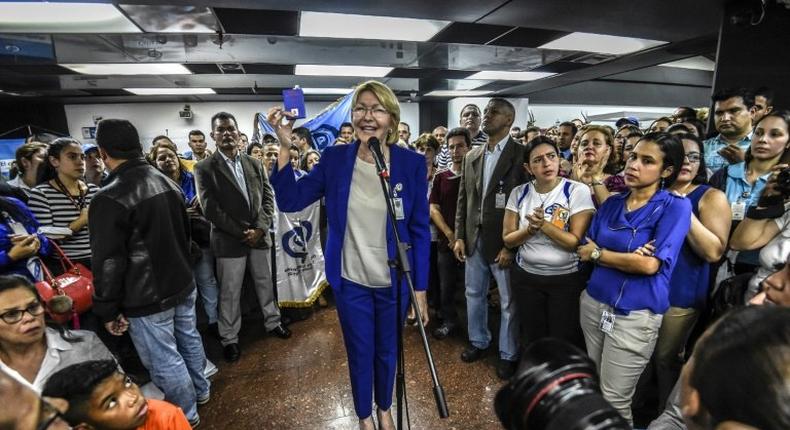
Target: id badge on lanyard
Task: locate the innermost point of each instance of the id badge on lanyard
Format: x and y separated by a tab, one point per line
739	207
500	199
607	322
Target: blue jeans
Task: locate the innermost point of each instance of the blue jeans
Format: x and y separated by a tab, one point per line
207	284
478	273
171	349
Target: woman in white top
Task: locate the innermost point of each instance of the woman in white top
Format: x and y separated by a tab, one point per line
546	219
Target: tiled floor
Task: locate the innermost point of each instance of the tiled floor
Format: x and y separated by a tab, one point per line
302	383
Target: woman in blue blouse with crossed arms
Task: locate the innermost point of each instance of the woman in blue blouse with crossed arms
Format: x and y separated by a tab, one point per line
634	241
360	239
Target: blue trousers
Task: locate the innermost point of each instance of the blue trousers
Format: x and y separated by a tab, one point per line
368	320
171	349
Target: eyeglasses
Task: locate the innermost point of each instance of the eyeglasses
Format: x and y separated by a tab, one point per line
14	316
693	157
361	111
47	415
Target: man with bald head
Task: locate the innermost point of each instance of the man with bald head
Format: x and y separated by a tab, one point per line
489	173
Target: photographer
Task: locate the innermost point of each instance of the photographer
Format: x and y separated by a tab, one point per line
767	225
743	182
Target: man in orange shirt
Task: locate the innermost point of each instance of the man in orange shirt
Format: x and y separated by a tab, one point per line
102	398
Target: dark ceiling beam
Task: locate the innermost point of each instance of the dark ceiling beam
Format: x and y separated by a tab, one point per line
651	57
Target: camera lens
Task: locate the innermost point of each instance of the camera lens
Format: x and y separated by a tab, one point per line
555	388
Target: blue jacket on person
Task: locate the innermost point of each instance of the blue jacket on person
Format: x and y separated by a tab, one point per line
331	178
19	267
665	218
188	186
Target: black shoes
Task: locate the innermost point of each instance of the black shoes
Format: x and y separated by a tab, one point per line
231	352
505	369
472	354
280	331
443	330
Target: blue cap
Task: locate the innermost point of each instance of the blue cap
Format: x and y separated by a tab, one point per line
629	120
89	147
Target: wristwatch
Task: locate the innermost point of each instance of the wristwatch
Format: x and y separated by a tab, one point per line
595	255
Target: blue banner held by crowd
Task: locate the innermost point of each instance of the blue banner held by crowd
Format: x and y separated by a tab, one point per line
325	126
8	154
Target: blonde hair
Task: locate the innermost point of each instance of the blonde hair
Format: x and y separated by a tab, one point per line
167	144
26	152
388	100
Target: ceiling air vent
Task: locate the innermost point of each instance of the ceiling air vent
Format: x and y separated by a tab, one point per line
231	68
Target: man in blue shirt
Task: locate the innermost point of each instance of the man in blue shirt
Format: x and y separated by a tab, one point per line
733	120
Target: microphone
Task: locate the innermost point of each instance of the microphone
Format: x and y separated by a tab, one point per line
378	157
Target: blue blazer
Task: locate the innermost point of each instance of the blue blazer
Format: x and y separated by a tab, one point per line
331	178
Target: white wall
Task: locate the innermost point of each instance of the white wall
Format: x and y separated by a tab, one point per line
153	119
547	115
455	105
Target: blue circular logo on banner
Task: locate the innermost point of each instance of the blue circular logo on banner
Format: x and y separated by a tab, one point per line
295	241
324	136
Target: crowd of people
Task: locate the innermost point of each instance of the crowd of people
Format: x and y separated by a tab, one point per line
614	239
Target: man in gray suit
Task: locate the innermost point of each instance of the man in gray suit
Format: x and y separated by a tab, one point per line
236	197
490	172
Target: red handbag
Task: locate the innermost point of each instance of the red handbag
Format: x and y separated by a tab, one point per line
68	295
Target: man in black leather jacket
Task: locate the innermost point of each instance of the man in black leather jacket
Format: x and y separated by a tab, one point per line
141	266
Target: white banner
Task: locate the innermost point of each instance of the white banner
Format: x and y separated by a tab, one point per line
301	276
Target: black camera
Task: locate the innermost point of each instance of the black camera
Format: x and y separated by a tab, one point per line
783	182
556	387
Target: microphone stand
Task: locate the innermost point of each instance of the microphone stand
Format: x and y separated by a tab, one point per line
401	265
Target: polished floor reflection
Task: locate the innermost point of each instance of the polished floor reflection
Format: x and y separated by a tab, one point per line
302	383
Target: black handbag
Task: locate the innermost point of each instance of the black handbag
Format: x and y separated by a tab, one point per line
729	295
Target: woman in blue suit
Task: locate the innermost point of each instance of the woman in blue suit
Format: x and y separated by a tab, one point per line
360	239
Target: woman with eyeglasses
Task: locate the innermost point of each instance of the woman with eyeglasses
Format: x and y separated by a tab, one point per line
360	241
62	198
30	350
705	243
595	164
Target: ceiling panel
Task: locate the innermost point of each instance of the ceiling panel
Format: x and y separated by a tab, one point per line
528	37
457	10
648	19
172	19
246	21
462	32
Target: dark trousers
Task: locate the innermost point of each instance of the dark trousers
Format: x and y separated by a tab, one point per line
434	296
548	306
451	281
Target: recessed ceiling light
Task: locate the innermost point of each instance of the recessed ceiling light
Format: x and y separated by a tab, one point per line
324	70
40	17
601	43
695	63
349	26
169	91
129	69
457	93
338	91
509	76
